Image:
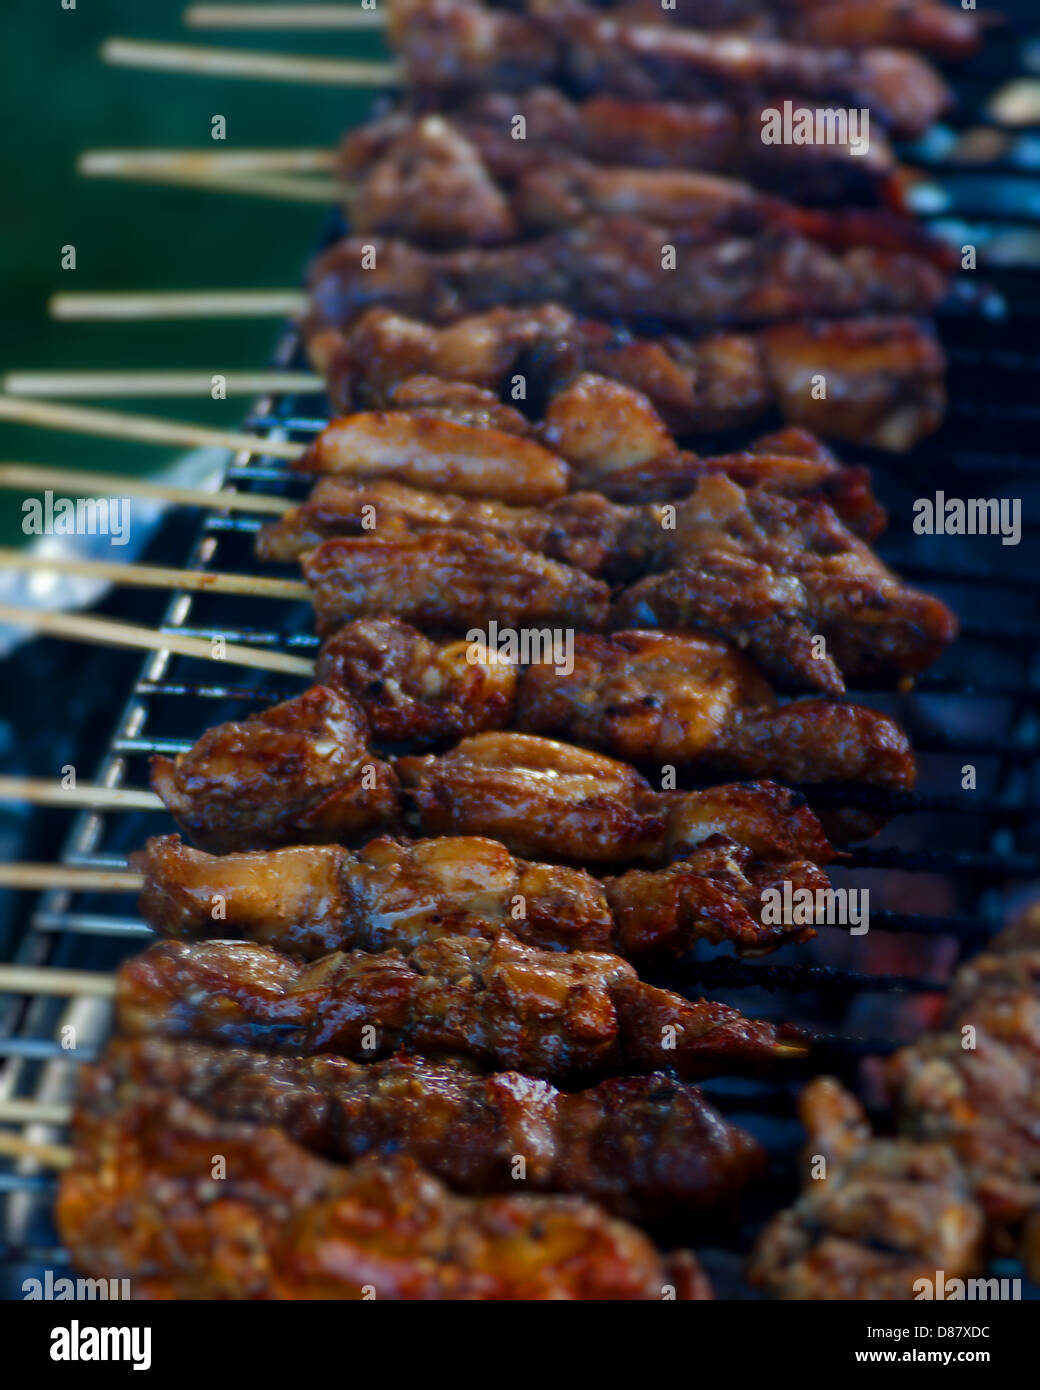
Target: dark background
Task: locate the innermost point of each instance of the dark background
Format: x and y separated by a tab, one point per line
59	99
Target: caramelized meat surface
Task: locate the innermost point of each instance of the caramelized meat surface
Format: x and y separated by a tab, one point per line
299	772
504	1005
310	900
140	1202
542	797
615	267
641	1146
885	376
886	1213
448	581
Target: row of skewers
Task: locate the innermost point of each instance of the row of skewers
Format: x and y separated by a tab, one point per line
505	459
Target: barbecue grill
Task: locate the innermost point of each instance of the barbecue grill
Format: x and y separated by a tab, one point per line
943	876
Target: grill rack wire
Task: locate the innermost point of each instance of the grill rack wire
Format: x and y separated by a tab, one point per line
944	875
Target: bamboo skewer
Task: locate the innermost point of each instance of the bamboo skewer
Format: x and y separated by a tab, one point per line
29	1111
39	877
143	305
159	56
119	384
45	791
293	189
142	429
42	979
28	477
238	161
326	17
49	1155
156	576
108	632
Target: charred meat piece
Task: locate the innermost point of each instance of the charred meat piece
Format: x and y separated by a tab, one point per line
724	136
432	184
448	581
972	1085
541	797
774	574
885	376
457	46
139	1201
439	454
641	1146
297	773
886	1213
310	900
618	267
647	697
503	1005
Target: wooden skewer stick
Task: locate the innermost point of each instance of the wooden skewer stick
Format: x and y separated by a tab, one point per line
28	477
15	1110
299	161
107	632
290	188
39	877
156	576
143	429
121	384
42	979
282	17
236	62
44	791
143	305
49	1155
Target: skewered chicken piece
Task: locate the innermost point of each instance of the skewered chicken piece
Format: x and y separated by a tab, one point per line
544	798
976	1091
647	697
456	46
500	1003
711	135
885	377
309	900
426	180
280	779
886	1213
775	575
285	1224
620	267
641	1146
296	772
614	438
449	581
923	24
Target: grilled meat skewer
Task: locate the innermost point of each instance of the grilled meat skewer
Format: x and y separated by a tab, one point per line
648	697
772	574
713	136
286	1224
640	1146
308	900
619	267
503	1005
924	24
886	1213
280	778
431	184
452	47
885	375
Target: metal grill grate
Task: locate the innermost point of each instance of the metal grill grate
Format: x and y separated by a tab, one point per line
943	875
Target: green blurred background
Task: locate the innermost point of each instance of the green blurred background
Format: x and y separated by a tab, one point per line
59	100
